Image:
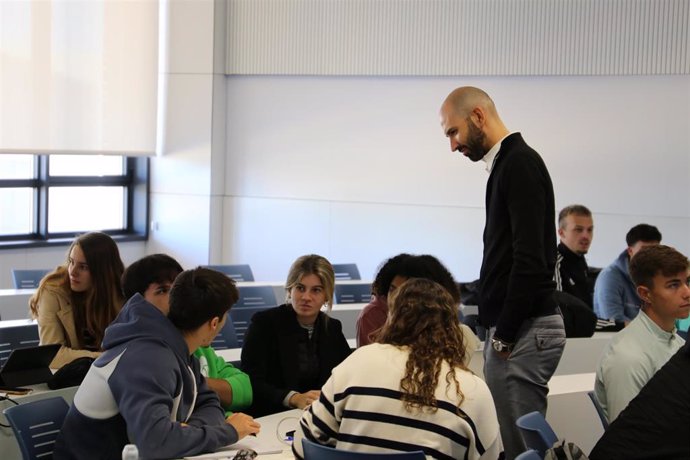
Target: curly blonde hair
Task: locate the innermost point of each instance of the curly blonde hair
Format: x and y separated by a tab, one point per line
424	318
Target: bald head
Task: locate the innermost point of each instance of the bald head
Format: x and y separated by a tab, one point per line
464	99
470	122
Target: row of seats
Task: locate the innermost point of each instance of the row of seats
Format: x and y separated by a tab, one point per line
29	279
252	299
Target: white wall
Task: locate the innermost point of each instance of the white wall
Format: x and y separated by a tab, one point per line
184	189
262	169
357	168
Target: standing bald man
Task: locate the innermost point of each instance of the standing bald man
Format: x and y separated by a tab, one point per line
525	337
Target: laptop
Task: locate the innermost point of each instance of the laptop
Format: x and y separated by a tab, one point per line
28	366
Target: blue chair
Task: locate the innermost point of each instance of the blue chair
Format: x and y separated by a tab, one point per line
346	272
256	296
241	318
529	455
36	425
226	338
536	432
27	279
600	410
353	293
314	451
17	337
240	272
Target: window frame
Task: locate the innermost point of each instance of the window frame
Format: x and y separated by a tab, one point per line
135	180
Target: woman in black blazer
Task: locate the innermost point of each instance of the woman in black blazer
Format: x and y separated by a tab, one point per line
290	350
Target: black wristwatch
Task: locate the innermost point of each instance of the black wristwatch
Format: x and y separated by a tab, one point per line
501	346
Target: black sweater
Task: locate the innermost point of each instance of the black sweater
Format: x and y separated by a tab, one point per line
516	278
279	356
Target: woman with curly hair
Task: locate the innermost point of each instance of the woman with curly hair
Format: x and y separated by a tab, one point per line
409	391
76	302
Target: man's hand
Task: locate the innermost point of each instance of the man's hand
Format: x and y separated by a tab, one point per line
503	354
243	424
303	400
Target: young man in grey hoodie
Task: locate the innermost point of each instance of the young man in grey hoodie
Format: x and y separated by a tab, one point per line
146	387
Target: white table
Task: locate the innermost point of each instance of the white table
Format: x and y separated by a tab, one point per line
274	427
272	434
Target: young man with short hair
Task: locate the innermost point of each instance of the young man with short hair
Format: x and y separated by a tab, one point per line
146	387
615	295
152	276
575	230
635	354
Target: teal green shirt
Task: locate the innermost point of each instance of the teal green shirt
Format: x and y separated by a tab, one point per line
630	361
215	367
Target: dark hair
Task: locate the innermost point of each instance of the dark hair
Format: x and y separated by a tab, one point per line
424	317
199	295
642	232
388	270
429	267
155	268
577	209
94	310
652	260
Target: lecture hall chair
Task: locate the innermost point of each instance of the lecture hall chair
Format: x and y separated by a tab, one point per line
21	336
255	296
536	432
239	272
241	318
27	279
36	425
530	454
346	272
227	337
352	293
599	409
314	451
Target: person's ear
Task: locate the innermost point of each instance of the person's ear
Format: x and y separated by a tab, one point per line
643	292
214	322
478	117
561	232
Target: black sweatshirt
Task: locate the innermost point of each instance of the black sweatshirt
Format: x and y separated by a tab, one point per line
519	240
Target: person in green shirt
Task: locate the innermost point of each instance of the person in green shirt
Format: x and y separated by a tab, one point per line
152	276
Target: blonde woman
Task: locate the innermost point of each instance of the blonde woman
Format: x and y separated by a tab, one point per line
79	299
290	350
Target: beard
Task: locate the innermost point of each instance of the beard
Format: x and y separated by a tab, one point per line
475	142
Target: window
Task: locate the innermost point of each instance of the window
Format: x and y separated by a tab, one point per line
49	199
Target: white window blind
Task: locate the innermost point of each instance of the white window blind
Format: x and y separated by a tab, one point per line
78	76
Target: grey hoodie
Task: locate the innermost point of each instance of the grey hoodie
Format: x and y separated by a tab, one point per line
141	390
